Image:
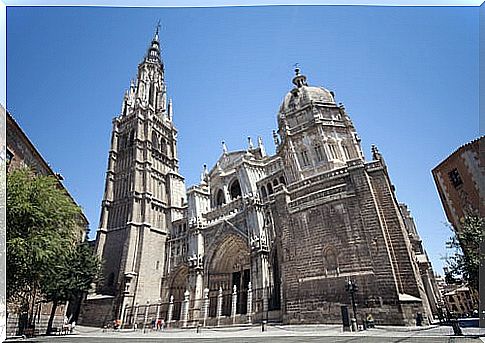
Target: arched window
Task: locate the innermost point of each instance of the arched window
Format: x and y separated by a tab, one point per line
270	188
305	161
319	152
235	190
264	194
154	140
282	180
163	146
346	150
275	182
132	138
220	198
151	92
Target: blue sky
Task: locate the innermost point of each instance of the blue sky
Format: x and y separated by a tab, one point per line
408	77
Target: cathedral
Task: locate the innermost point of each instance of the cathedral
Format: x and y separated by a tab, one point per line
261	237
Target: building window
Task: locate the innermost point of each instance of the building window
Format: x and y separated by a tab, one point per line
154	140
270	188
320	153
220	199
455	178
263	192
9	156
158	265
346	152
235	190
334	152
304	158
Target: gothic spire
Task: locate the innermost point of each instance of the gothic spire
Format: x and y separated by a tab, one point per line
153	54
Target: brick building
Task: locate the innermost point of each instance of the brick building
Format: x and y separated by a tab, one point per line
260	237
460	180
21	152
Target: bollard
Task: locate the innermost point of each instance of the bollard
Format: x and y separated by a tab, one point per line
354	324
456	327
263	325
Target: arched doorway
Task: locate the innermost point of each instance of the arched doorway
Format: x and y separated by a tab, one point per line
230	266
178	286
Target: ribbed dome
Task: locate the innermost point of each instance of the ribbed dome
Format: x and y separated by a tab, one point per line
302	96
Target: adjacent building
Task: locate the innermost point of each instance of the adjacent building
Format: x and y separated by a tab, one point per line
460	180
21	152
261	237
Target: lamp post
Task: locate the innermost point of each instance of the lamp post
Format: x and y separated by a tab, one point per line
351	288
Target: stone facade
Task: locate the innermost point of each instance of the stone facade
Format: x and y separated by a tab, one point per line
260	237
144	192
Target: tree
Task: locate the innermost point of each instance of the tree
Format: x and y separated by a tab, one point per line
71	276
465	261
42	225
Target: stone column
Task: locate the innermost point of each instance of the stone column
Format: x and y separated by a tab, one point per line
250	303
265	304
147	308
135	317
159	303
185	308
234	304
123	315
170	311
219	306
206	305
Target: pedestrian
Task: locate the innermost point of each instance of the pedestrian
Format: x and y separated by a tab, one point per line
162	325
159	324
153	324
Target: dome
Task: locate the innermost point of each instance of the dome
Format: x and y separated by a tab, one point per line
303	95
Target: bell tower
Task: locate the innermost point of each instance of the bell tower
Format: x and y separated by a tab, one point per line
315	134
144	191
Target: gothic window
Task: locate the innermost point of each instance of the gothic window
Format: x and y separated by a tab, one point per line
163	146
151	94
235	190
263	192
334	152
270	188
220	198
132	138
158	265
345	148
319	152
282	180
305	161
154	140
275	182
455	178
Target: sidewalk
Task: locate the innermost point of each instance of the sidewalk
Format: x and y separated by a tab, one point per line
282	330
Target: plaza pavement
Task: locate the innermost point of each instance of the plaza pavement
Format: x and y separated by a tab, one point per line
274	333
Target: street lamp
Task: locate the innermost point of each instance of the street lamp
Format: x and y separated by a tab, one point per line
351	287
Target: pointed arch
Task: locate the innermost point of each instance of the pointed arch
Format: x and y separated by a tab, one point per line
235	189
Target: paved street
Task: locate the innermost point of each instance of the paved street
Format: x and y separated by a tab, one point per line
276	333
